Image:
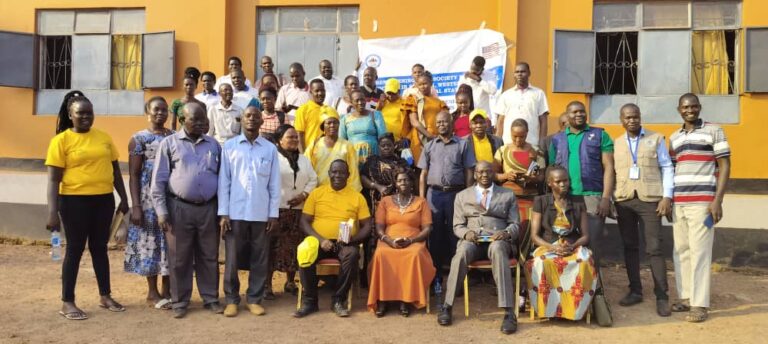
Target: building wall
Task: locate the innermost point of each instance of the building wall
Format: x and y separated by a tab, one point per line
207	32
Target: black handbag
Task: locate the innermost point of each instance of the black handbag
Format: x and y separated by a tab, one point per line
601	308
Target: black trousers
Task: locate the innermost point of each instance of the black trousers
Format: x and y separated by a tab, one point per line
249	241
348	256
85	219
633	215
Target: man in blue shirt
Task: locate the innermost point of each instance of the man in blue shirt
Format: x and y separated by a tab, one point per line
249	201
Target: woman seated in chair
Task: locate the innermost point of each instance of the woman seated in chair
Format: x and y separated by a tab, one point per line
560	274
401	268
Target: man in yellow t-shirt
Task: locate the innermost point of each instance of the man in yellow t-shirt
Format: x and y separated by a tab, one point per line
392	109
307	122
324	210
481	142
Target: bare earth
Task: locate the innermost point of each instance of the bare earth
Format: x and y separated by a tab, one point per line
30	292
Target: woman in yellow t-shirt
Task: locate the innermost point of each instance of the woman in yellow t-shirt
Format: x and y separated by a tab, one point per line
82	172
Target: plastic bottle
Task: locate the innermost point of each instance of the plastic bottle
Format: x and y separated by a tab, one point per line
55	245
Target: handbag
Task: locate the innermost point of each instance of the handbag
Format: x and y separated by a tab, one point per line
600	305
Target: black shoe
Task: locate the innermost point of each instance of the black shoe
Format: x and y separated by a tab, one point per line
381	309
340	309
306	309
662	308
179	313
509	324
445	318
631	299
405	310
215	308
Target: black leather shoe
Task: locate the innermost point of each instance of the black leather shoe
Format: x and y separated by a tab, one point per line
340	309
306	309
445	318
662	308
381	309
179	313
631	299
509	324
405	310
214	307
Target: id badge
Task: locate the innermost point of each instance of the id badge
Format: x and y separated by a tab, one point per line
634	172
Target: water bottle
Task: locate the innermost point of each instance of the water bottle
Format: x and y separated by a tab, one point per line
55	245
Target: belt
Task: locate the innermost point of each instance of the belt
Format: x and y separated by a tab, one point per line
191	202
447	188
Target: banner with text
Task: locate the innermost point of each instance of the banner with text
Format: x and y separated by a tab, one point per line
446	55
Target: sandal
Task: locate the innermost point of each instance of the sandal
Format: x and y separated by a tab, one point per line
74	315
112	306
164	304
696	315
681	306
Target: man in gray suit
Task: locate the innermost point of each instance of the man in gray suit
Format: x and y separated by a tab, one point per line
487	221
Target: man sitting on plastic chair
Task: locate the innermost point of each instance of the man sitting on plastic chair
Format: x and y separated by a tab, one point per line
487	222
326	216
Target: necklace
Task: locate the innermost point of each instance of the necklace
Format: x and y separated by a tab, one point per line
402	206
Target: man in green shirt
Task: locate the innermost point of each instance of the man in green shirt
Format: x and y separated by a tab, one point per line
587	153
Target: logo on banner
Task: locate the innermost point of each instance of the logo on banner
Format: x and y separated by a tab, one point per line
373	60
490	51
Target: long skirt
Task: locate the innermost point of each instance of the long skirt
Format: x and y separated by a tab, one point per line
146	249
284	240
561	287
400	275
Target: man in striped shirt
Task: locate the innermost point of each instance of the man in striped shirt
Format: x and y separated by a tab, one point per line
702	168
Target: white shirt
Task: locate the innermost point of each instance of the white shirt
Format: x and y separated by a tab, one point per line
342	107
334	88
209	99
291	95
224	123
244	97
528	103
479	195
306	180
482	91
226	79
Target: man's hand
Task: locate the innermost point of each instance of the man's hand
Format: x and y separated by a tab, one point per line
137	215
500	235
604	209
664	208
471	236
225	225
164	223
716	209
272	224
326	245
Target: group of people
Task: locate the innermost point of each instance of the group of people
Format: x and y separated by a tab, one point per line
290	172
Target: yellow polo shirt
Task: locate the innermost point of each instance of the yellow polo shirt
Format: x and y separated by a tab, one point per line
330	207
86	159
483	149
308	120
393	118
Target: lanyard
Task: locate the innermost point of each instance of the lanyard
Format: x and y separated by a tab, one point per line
632	151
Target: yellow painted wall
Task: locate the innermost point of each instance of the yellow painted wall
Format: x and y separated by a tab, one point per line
207	32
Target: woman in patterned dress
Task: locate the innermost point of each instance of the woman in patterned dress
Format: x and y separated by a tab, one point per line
561	275
145	252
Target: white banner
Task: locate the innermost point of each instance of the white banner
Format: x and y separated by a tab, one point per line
447	56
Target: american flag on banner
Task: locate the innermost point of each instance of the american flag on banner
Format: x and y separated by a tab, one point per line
492	50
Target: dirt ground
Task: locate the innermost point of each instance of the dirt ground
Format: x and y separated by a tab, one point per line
30	291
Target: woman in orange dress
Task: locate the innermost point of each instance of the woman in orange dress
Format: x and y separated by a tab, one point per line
421	109
401	268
